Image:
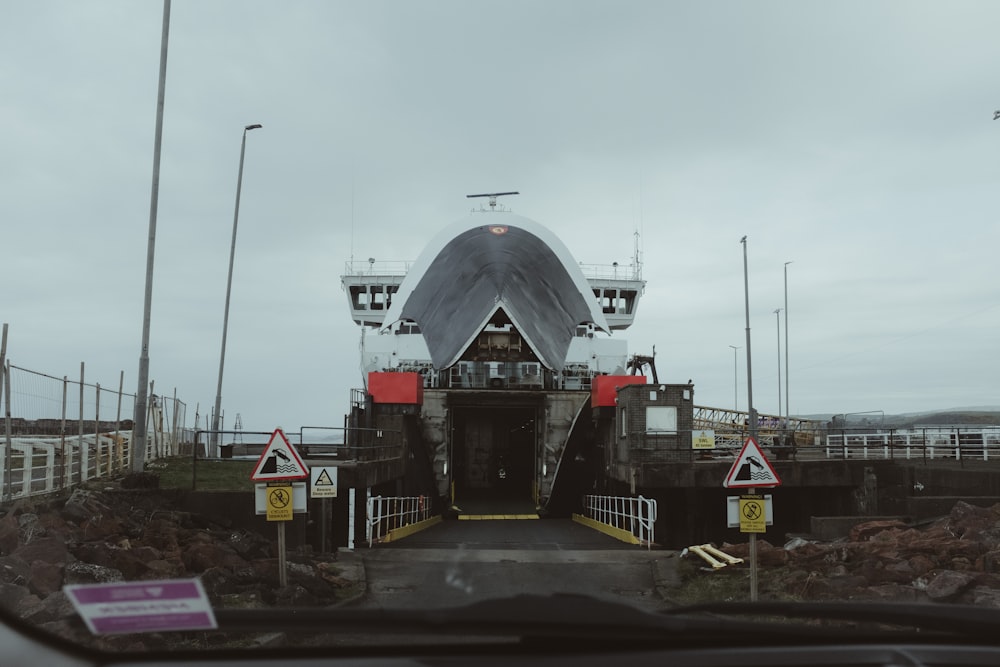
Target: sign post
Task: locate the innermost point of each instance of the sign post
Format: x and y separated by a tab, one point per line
279	464
752	470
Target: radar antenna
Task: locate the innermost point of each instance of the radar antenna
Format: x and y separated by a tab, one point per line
493	197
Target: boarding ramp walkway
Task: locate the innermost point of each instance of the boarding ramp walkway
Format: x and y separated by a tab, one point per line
616	521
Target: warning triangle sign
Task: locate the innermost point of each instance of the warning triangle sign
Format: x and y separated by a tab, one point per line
751	468
323	479
278	461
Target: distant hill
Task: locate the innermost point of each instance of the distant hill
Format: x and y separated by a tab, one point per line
947	418
977	416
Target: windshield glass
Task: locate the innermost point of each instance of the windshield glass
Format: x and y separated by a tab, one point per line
562	314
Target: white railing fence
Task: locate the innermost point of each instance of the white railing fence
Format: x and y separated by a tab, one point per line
981	444
635	515
57	433
388	513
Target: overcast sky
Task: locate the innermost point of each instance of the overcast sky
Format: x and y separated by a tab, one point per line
854	139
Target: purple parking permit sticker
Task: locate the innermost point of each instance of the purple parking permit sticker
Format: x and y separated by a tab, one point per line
143	606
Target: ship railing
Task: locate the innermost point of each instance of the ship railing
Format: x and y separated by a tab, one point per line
365	267
612	271
480	375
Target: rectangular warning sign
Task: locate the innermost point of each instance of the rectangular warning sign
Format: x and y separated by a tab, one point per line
703	439
752	513
733	510
323	481
299	497
278	500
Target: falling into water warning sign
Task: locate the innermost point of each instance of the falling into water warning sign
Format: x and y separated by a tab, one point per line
279	461
751	468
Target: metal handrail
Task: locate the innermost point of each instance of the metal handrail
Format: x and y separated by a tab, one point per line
388	513
635	515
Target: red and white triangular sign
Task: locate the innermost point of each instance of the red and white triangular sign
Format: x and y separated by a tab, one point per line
278	461
751	468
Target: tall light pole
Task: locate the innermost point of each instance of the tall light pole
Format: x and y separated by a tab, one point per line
753	421
746	291
137	455
229	286
787	391
736	401
777	319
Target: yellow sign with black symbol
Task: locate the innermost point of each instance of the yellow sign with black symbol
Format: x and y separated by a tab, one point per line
703	439
753	515
278	501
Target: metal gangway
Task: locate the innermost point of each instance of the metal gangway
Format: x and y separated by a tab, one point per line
732	427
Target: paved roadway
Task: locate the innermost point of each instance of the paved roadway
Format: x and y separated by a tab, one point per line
458	562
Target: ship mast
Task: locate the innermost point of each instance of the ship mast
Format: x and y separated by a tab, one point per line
493	198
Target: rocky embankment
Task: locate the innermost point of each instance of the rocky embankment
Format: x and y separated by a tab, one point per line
107	535
955	559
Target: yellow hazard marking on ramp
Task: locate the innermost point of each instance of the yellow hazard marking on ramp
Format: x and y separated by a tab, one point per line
494	517
400	533
617	533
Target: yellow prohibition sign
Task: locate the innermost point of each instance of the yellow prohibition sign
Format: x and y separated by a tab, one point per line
753	518
279	503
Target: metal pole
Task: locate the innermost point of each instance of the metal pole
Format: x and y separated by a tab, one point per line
753	557
788	412
351	511
118	419
8	465
152	418
282	558
84	450
229	287
777	318
736	400
174	446
67	462
97	433
746	290
139	429
5	393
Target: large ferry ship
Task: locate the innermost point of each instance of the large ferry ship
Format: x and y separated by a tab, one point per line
492	355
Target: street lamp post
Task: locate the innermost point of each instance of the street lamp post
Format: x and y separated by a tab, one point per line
753	420
139	427
229	287
736	401
777	319
746	291
787	389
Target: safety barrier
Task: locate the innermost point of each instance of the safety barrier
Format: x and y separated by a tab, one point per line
930	443
636	516
36	465
59	432
388	515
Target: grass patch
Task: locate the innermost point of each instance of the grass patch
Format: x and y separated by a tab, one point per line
697	585
729	584
203	475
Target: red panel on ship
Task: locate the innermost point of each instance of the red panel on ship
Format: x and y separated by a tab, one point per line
397	388
603	388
